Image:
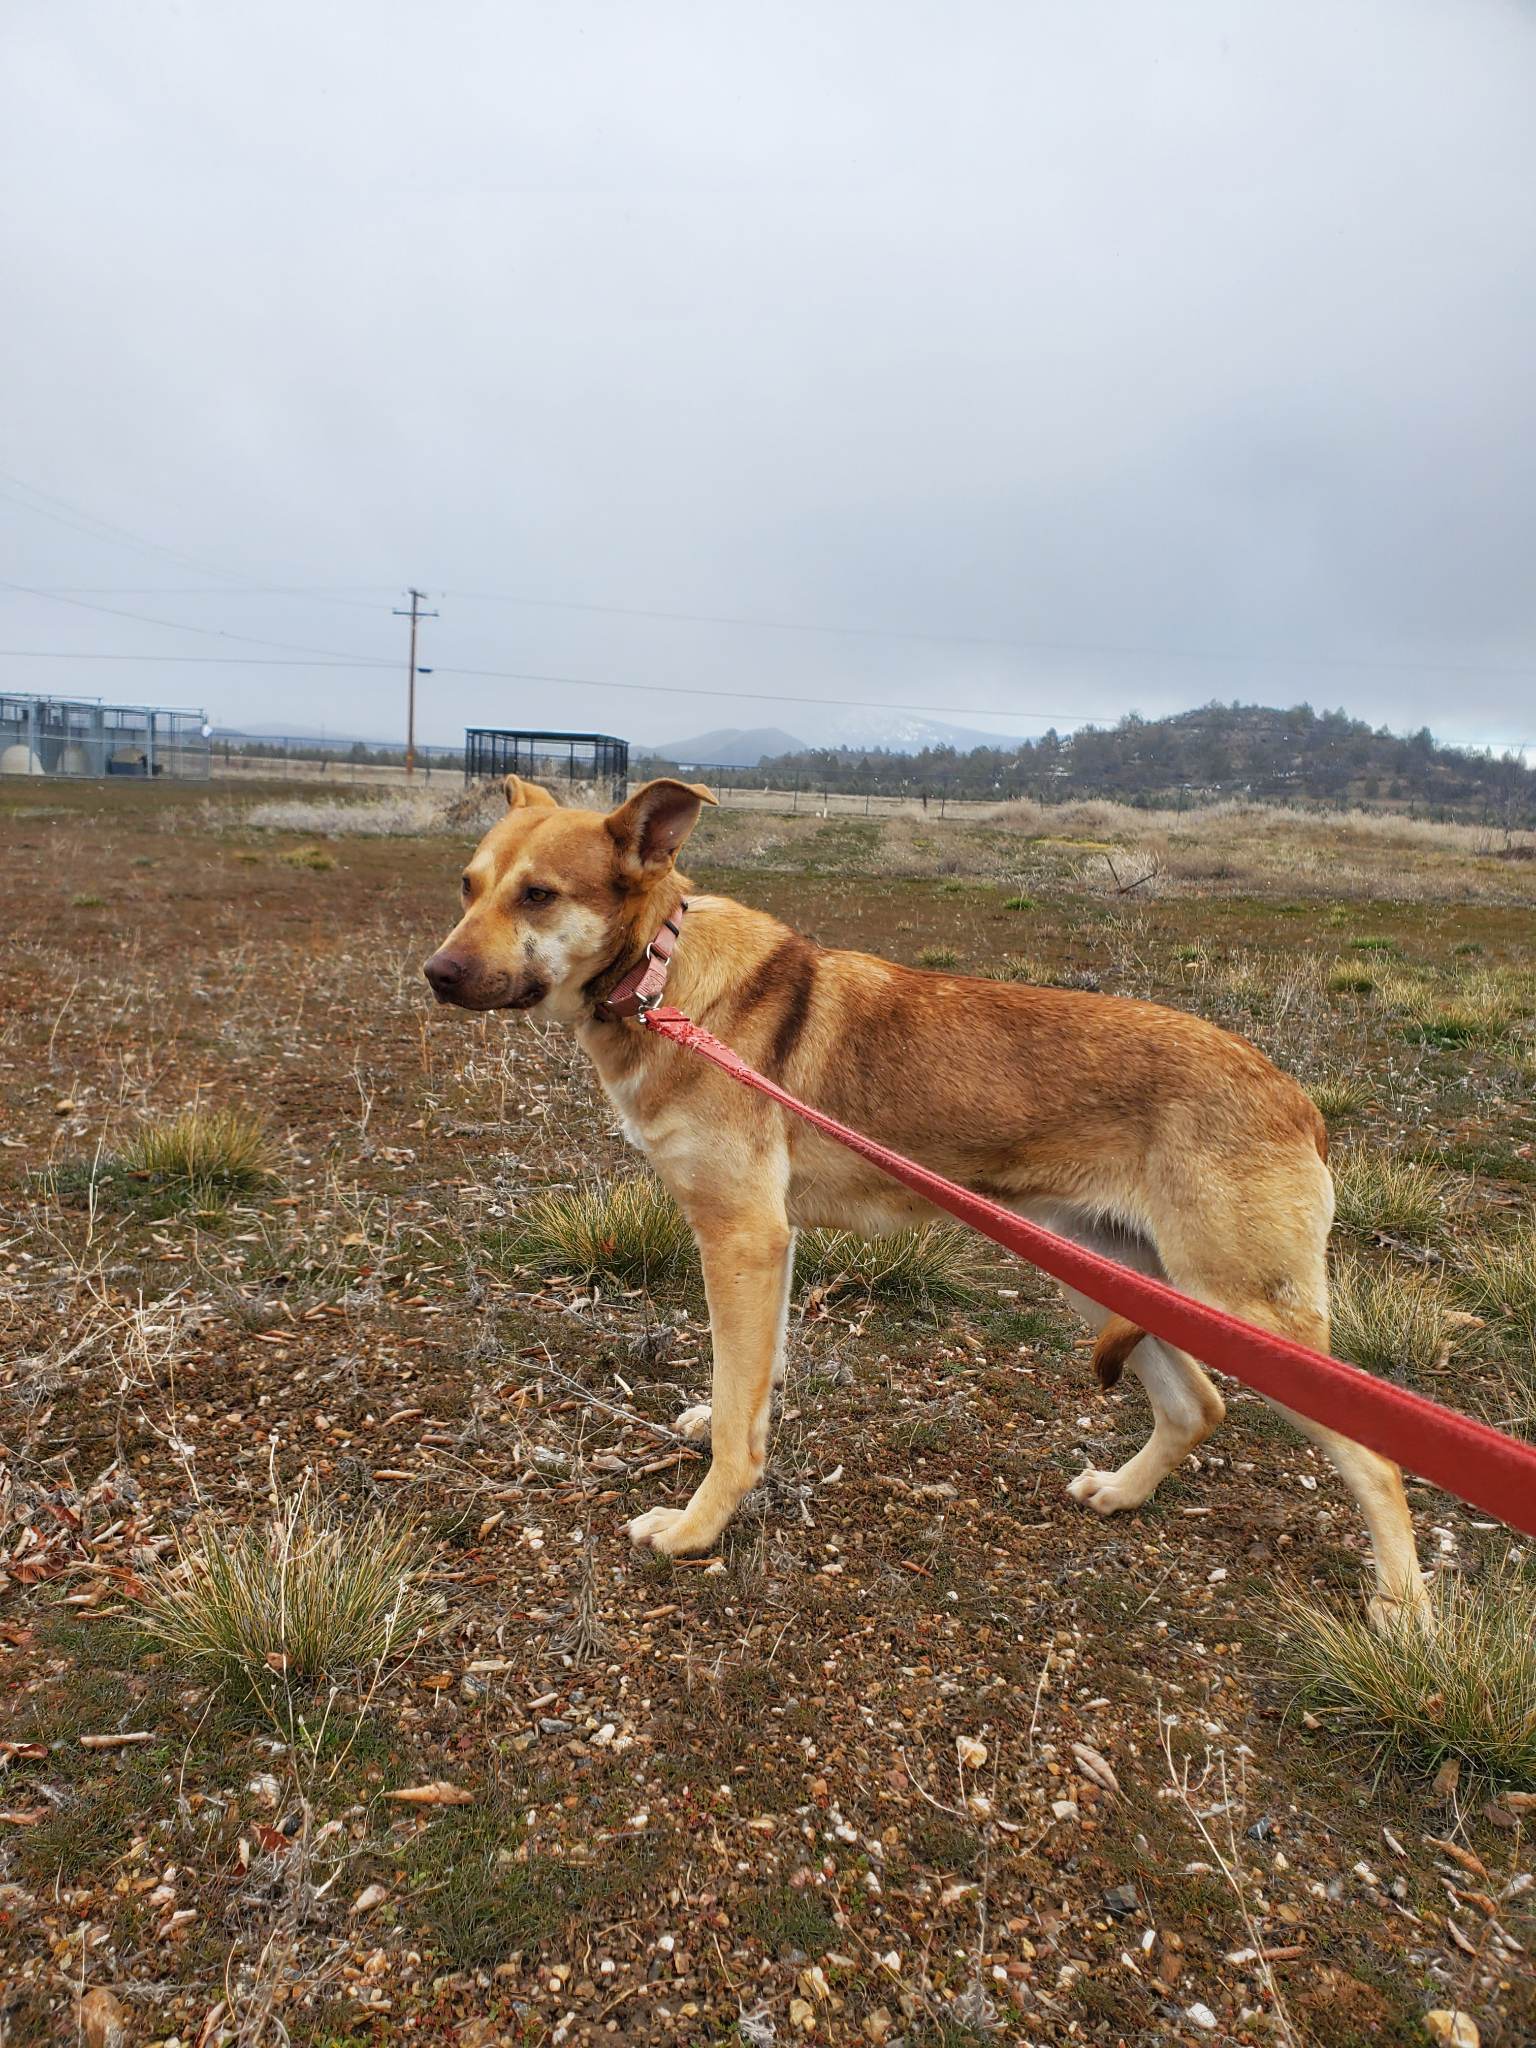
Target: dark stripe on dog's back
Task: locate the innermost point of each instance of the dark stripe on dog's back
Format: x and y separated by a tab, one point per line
797	1008
787	974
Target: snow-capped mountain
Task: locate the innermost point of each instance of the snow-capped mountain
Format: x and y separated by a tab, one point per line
903	732
897	732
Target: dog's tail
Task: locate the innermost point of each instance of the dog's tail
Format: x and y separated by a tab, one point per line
1117	1340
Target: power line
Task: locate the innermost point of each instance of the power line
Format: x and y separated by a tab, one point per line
176	625
69	514
510	675
94	527
1226	657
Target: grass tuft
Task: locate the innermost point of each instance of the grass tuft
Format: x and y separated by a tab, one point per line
1387	1320
315	858
630	1231
1020	903
1396	1197
933	1263
293	1602
1350	981
938	956
1018	967
1465	1688
1499	1278
1337	1096
220	1151
1482	1010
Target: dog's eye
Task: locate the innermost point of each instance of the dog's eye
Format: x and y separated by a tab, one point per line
464	886
536	896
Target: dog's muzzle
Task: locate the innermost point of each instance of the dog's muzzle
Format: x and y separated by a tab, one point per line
455	980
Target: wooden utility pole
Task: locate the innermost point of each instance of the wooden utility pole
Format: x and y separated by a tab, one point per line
413	615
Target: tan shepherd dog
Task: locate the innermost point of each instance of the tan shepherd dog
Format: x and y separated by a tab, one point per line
1145	1133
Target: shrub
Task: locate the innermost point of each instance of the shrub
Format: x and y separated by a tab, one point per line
1464	1688
295	1601
932	1263
1393	1196
1387	1320
630	1231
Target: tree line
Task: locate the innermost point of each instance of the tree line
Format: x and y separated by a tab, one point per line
1298	755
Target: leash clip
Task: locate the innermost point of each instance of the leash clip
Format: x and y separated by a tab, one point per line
644	1001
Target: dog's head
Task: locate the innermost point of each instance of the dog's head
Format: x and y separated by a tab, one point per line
554	900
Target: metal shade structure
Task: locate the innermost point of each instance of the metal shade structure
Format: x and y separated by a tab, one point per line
492	752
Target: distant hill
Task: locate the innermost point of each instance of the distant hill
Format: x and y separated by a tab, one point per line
1250	750
890	732
726	747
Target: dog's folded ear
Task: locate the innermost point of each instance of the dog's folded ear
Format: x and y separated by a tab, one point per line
649	829
527	796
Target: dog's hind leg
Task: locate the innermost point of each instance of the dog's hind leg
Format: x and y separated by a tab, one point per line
1295	1305
1185	1409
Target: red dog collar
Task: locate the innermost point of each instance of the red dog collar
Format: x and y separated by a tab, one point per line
641	988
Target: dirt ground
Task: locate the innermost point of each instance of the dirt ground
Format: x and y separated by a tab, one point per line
926	1754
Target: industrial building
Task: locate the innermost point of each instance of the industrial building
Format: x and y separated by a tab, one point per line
81	736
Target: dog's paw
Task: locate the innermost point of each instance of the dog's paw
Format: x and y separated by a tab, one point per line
693	1424
666	1531
1392	1615
1104	1492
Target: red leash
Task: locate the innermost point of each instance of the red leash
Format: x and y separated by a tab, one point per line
1483	1466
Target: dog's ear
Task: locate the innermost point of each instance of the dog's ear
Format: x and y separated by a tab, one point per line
527	796
650	828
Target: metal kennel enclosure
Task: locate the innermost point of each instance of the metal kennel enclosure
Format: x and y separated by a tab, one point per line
491	752
81	736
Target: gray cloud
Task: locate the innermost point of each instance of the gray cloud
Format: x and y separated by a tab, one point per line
1186	348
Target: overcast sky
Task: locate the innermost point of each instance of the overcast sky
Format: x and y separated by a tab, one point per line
1085	358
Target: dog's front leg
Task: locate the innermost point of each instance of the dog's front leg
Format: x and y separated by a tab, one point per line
746	1278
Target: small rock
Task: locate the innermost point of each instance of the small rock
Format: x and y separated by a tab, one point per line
102	2021
1202	2016
802	2014
1452	2029
1064	1809
479	2033
550	1725
971	1751
1262	1829
370	1896
265	1789
1122	1902
1446	1778
1095	1768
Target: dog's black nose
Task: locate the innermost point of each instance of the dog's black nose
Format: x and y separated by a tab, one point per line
444	971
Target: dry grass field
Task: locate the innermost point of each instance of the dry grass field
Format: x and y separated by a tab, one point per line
336	1340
